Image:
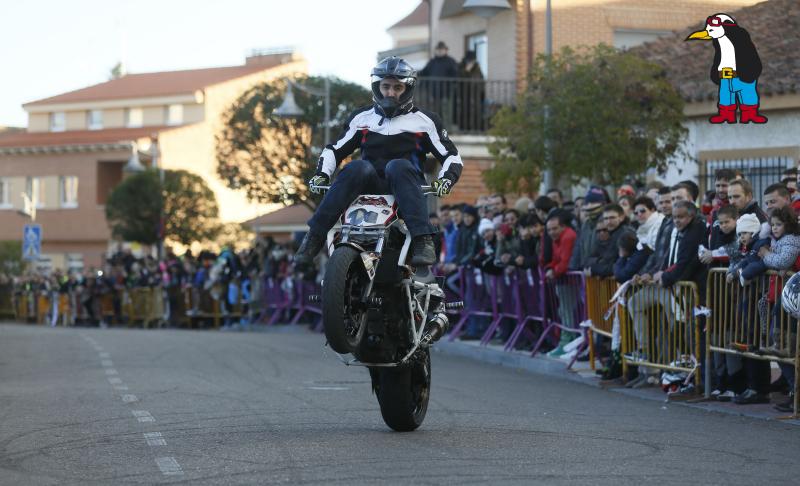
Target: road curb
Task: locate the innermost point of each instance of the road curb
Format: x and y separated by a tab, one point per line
556	368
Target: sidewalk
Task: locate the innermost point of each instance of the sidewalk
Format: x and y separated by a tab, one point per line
582	373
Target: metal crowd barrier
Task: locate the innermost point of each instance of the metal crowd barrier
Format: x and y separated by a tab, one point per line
663	331
749	321
599	291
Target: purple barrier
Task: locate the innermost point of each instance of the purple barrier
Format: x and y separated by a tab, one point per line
275	299
530	295
507	303
303	289
476	299
565	298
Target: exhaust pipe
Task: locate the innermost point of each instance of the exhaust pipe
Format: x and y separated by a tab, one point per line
437	327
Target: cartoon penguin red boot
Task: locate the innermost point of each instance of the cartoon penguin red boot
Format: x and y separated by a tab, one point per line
727	114
750	114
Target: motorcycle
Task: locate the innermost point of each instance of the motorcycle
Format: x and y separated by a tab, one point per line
382	311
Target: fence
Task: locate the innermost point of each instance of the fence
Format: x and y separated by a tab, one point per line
663	331
600	315
749	322
465	105
660	328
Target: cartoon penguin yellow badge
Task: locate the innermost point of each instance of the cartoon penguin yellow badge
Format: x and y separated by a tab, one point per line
735	69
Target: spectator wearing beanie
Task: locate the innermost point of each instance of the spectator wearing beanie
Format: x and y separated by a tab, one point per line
591	211
468	238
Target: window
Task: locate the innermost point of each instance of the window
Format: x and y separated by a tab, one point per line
480	44
34	189
94	119
69	191
760	171
57	121
174	114
133	117
5	196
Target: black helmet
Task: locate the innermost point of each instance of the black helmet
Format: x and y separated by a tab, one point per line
398	68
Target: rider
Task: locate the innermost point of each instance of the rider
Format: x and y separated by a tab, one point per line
393	137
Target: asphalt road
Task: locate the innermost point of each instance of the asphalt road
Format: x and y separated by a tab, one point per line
89	406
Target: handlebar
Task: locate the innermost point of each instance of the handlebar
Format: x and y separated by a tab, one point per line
426	190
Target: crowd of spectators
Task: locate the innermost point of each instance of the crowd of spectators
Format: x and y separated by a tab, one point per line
650	233
231	277
644	233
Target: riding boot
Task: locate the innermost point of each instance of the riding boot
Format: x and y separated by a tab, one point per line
750	114
727	114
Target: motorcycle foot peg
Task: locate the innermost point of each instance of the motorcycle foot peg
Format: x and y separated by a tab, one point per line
454	305
314	298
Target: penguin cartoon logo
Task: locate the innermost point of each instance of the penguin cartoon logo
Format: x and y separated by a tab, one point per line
735	69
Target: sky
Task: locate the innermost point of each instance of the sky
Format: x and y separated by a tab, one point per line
51	47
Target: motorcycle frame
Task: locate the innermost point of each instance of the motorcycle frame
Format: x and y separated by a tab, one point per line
369	259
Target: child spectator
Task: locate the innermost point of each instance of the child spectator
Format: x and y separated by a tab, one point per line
722	240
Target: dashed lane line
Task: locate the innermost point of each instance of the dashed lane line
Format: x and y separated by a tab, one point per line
143	416
154	439
129	398
169	466
115	380
106	362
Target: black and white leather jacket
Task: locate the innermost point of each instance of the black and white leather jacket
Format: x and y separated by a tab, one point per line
409	136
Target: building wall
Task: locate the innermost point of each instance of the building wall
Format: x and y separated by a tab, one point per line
501	34
82	230
193	147
589	22
706	141
76	120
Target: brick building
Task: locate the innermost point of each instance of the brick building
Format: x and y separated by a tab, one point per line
509	41
76	144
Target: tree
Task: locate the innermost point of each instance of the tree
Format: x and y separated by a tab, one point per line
271	158
117	71
11	262
190	210
598	114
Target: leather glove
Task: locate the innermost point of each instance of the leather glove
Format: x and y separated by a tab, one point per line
318	180
442	186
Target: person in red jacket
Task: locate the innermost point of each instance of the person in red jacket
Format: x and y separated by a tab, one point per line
564	238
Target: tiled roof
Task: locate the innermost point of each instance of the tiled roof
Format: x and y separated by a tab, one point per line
295	214
146	85
77	137
774	27
418	17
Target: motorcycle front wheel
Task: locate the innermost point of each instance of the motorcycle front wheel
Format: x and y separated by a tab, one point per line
403	393
343	314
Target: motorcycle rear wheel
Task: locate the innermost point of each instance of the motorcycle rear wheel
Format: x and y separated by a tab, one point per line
343	315
403	394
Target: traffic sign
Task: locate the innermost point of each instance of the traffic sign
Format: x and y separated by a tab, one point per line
32	242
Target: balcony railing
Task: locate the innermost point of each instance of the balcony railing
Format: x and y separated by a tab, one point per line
466	105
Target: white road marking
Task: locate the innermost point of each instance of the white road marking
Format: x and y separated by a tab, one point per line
129	398
154	439
111	371
169	466
106	362
105	355
143	416
333	388
115	381
120	387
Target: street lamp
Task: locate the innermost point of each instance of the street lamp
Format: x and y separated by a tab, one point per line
289	108
134	165
486	8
